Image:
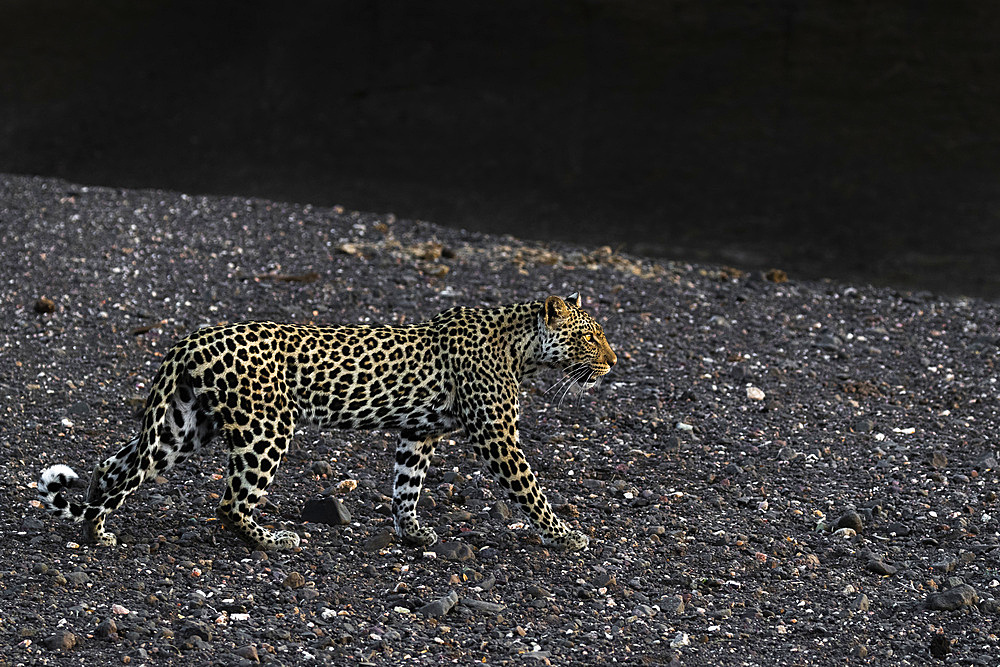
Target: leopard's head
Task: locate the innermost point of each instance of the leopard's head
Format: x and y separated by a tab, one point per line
572	341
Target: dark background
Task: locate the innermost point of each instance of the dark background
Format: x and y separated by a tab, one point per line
855	140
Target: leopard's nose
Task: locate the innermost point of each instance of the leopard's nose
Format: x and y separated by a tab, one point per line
612	357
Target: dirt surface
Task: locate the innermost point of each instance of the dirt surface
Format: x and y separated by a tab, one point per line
779	473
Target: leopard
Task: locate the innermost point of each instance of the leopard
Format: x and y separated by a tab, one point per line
251	383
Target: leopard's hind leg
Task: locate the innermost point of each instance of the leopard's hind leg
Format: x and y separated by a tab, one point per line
168	436
413	457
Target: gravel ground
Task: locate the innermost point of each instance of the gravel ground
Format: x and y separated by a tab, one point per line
776	473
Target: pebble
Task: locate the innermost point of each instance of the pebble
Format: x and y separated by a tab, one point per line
672	605
755	393
45	305
940	647
248	653
501	511
439	607
322	468
879	566
850	519
78	578
960	596
680	639
294	580
938	460
898	529
327	510
382	540
860	603
107	629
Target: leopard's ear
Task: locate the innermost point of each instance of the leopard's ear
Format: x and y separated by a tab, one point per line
555	310
575	299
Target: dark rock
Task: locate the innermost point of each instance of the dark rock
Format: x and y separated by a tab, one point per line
198	629
62	640
880	567
107	629
44	305
940	647
860	603
960	596
322	468
898	529
328	510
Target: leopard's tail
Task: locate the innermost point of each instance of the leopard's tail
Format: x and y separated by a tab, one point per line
52	493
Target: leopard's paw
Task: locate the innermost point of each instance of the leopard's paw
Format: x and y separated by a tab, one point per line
421	537
573	540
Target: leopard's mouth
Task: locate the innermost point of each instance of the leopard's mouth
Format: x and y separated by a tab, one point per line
592	379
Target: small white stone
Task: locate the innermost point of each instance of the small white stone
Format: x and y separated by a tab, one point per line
755	393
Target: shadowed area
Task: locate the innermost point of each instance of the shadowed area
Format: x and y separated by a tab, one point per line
852	140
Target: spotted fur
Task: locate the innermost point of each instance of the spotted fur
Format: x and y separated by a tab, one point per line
250	383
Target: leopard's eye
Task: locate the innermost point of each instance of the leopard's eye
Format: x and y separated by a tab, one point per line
590	338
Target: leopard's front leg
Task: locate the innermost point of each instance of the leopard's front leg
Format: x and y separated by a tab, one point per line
507	463
413	457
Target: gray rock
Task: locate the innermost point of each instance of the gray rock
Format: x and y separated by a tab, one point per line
78	578
944	565
480	605
987	462
787	454
378	542
459	551
328	510
500	511
953	598
938	460
672	605
439	607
